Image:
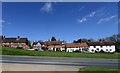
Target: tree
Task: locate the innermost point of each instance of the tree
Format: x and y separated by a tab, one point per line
83	40
91	40
53	38
78	41
101	40
113	38
74	41
29	43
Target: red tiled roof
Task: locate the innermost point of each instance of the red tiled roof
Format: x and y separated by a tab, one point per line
74	45
100	43
14	40
56	46
52	43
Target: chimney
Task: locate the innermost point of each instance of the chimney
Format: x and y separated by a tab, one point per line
18	37
3	37
101	40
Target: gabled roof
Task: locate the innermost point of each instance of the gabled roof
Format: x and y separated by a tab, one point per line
74	45
15	40
100	43
56	46
52	43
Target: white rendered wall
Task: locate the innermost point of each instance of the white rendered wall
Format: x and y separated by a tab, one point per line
104	48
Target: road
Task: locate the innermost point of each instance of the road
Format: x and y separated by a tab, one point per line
59	61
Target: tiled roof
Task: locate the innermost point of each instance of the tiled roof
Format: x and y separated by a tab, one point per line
56	46
15	40
52	43
100	43
74	45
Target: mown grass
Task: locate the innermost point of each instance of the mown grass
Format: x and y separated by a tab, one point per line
95	69
13	51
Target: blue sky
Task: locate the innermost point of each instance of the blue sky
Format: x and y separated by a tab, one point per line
65	20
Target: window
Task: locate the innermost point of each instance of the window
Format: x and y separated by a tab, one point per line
92	50
97	48
106	49
110	49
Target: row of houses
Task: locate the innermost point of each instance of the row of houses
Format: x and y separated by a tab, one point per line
77	47
59	45
14	42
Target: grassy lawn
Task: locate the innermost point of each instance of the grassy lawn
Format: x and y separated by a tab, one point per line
13	51
94	69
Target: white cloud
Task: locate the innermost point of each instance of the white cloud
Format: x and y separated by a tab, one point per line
1	23
106	19
85	18
92	14
82	20
5	22
101	12
47	7
112	16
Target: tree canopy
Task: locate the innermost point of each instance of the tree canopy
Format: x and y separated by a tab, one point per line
53	38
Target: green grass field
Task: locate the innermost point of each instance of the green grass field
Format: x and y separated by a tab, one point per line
94	69
13	51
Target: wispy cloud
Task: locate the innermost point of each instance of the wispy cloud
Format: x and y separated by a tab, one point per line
47	7
1	23
92	14
4	22
106	19
99	14
85	18
81	8
82	20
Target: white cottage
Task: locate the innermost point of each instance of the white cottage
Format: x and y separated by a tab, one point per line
56	47
80	47
101	47
36	45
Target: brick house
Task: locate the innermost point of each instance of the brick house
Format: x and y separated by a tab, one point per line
15	42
